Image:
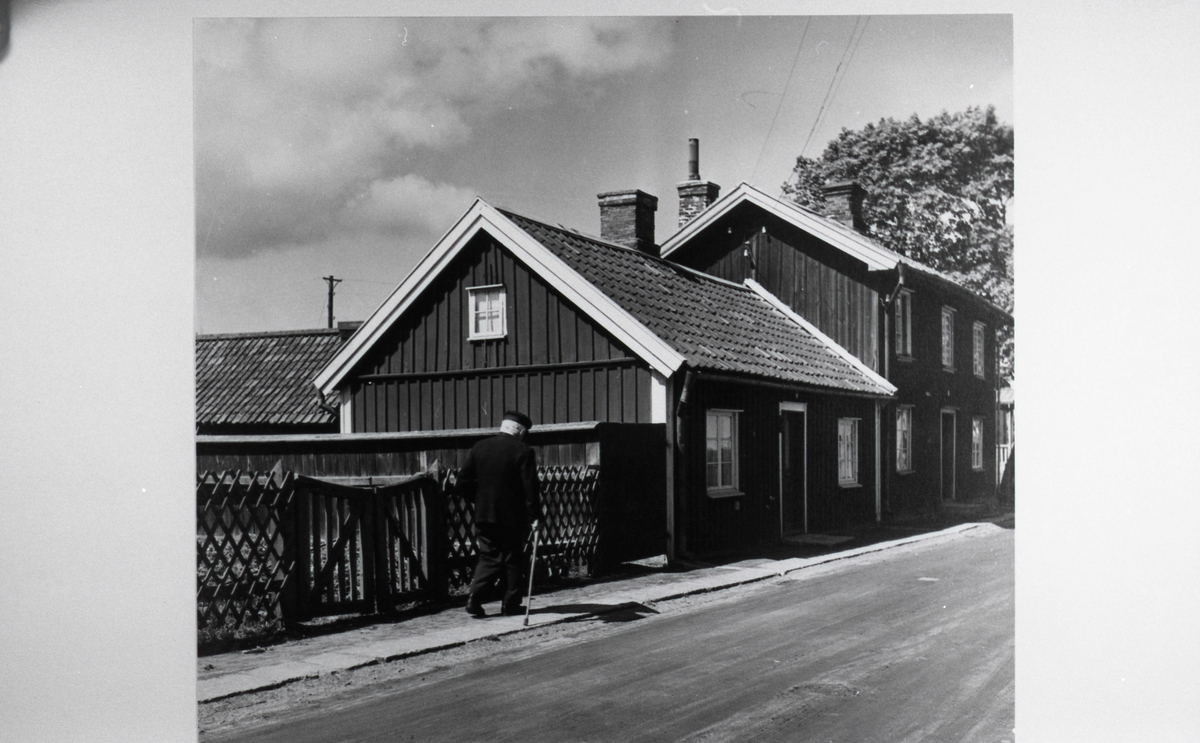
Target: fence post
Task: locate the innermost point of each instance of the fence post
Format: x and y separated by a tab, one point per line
289	601
371	546
380	554
437	527
304	554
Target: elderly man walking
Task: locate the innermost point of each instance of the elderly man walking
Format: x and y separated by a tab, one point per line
500	476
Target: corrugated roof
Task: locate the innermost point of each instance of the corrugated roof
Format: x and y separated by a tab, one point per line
715	324
262	378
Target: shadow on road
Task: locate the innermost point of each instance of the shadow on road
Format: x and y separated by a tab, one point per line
604	612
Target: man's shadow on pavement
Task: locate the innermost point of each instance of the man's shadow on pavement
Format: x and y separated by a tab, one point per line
601	612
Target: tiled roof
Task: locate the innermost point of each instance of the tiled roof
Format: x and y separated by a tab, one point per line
262	378
716	325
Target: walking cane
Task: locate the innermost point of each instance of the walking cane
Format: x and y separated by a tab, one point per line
532	564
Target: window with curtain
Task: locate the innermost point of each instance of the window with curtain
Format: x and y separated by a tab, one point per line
977	443
904	438
948	338
721	450
977	341
904	323
847	451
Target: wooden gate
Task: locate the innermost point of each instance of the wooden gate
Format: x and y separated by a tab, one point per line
364	548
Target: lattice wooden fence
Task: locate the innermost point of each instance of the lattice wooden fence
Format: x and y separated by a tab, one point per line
569	534
243	563
274	546
568	539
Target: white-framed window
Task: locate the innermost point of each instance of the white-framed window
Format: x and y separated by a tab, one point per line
487	313
948	338
904	323
977	345
721	450
977	443
904	433
847	451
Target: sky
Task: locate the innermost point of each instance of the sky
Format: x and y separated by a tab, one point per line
348	146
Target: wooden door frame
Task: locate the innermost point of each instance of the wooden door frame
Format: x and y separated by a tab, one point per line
942	454
793	407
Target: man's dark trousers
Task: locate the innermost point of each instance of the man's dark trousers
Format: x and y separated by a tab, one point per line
501	551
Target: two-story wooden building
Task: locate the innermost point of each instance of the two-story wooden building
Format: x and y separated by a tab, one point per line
927	335
763	424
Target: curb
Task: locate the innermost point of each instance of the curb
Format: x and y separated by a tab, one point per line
384	651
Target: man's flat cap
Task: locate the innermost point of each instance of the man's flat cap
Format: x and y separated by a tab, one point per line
519	417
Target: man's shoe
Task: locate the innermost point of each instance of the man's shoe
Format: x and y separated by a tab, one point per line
515	610
475	609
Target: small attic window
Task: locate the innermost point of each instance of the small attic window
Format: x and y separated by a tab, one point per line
487	312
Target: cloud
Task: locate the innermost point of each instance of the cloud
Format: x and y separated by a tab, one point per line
410	201
303	126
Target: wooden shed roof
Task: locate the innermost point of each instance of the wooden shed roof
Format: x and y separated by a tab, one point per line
262	378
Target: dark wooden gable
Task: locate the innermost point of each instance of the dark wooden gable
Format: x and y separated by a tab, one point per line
555	363
819	282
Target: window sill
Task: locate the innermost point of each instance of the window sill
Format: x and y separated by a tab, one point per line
906	472
724	493
904	359
948	369
849	485
475	338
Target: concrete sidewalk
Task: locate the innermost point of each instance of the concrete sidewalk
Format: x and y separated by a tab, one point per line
229	674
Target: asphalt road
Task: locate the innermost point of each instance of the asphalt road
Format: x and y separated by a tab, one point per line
914	644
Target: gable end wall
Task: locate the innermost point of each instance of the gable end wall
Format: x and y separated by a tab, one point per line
426	374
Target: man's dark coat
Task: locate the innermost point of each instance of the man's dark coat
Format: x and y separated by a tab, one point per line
500	475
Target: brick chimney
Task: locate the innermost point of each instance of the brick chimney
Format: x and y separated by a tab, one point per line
843	202
695	195
627	218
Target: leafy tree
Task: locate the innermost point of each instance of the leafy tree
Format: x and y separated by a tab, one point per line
938	191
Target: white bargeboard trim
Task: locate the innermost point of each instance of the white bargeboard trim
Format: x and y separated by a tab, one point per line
481	216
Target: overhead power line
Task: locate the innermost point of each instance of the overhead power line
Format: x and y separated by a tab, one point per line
782	95
843	64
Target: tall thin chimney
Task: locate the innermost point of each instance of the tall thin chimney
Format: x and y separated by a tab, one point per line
695	195
627	218
843	202
693	159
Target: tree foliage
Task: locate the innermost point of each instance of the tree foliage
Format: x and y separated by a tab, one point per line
938	191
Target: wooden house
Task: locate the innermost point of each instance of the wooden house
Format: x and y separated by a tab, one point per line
759	423
261	383
931	338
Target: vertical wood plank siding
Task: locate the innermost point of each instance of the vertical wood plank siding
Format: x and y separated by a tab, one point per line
926	386
542	328
807	275
724	524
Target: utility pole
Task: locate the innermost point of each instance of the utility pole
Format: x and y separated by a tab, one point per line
332	282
